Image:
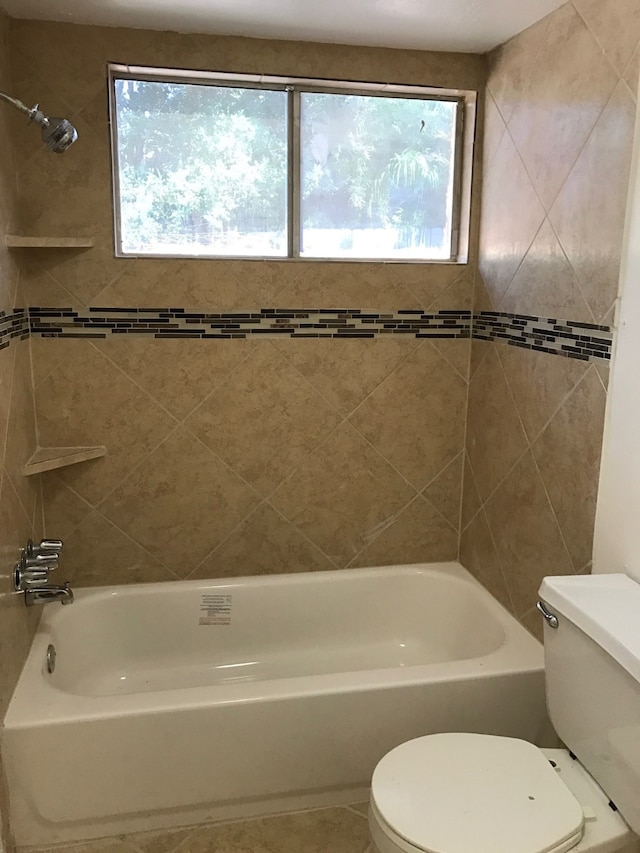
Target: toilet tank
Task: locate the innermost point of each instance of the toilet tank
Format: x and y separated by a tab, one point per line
592	673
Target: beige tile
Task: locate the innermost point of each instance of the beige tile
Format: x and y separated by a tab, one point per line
7	361
17	622
96	112
346	371
342	495
64	510
428	283
479	556
457	351
39	288
264	544
82	75
526	534
483	299
360	808
415	418
510	67
569	69
103	845
615	25
264	280
631	74
539	383
82	179
87	401
33	88
471	502
264	419
96	553
458	295
179	374
545	284
207	285
180	503
479	351
588	215
21	429
158	842
445	491
336	830
364	286
48	354
83	272
494	129
495	438
603	372
418	534
532	621
504	237
568	455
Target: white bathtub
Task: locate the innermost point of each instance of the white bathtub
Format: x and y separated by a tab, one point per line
177	703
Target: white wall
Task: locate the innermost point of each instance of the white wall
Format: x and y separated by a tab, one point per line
617	533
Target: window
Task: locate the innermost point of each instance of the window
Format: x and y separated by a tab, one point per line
239	166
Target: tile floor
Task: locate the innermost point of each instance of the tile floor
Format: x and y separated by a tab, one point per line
342	829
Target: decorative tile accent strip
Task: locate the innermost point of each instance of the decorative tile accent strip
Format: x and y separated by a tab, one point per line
294	323
12	326
569	338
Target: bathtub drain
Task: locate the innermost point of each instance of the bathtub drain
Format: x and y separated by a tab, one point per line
51	658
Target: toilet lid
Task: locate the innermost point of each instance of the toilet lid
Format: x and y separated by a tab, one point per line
456	793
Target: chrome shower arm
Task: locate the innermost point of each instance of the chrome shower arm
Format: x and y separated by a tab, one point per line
57	133
34	113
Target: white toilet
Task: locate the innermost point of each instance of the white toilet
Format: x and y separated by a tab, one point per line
472	793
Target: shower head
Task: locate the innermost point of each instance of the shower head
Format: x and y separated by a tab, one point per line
57	133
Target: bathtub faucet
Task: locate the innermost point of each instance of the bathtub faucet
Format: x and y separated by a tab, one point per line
50	592
31	574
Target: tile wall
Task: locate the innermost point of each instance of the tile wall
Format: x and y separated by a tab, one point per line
560	111
20	499
269	454
233	456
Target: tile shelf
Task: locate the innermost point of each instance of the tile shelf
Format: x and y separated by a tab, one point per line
16	241
50	458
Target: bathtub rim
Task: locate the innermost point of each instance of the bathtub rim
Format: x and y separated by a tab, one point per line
38	703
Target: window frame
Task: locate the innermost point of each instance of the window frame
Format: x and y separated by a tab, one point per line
465	100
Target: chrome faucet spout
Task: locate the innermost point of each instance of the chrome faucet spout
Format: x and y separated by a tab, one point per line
49	592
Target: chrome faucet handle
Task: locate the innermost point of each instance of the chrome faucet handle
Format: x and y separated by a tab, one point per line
32	577
45	546
41	560
55	545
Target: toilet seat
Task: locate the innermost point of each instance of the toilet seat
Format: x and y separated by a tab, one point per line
460	792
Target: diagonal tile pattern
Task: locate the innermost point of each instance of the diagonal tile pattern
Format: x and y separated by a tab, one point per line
562	104
261	416
264	419
427	397
20	500
342	829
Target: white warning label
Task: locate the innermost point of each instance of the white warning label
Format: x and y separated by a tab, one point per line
215	610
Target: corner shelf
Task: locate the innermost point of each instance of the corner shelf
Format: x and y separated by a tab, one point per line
15	241
50	458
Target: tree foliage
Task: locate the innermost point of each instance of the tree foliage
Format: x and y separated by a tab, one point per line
206	166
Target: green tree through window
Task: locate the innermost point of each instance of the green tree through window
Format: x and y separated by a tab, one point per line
203	170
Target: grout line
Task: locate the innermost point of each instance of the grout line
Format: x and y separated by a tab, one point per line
466	422
605	54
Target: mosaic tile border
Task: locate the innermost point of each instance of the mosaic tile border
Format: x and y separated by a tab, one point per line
294	323
15	325
568	338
